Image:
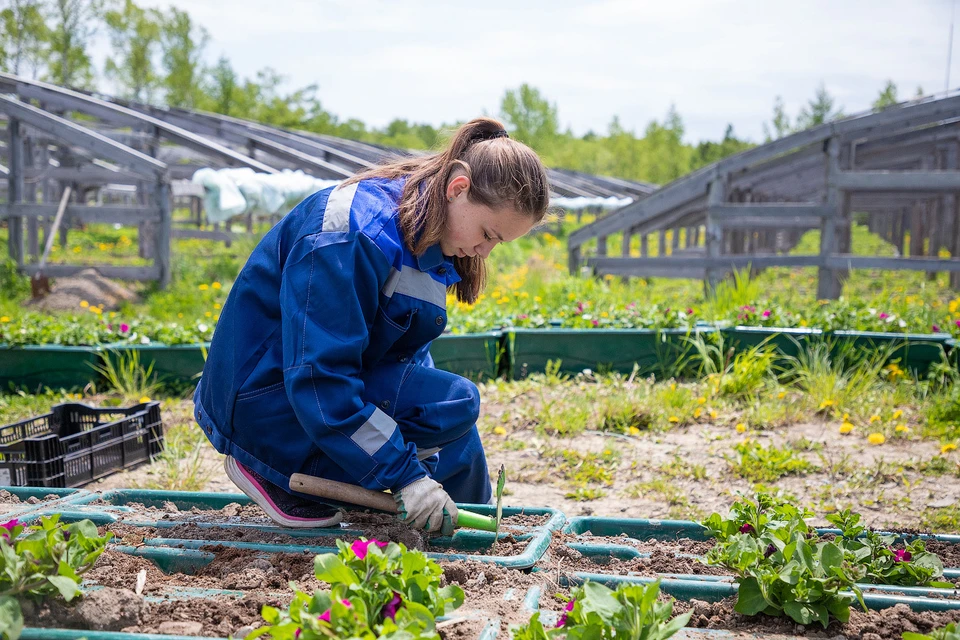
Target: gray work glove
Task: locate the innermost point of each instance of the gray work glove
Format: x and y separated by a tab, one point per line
423	504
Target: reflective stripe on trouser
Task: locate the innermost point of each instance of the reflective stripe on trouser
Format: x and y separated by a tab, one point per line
432	408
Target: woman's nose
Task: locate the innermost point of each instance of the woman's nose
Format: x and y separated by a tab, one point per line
484	248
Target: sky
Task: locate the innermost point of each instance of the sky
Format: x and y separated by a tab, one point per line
717	61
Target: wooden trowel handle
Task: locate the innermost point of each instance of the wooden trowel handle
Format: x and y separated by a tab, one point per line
342	492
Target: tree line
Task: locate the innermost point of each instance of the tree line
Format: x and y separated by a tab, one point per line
158	57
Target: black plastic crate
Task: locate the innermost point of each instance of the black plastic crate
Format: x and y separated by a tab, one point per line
75	444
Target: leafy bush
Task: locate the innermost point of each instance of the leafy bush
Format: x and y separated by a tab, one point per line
632	611
377	590
50	559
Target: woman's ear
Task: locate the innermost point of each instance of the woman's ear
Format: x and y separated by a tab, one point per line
457	186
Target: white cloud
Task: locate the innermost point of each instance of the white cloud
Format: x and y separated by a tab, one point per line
718	61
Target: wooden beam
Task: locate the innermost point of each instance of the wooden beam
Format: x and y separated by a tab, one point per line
754	223
107	271
899	180
778	210
81	136
828	280
713	241
15	190
893	264
130	214
606	265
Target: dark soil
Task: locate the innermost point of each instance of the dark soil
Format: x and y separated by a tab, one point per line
886	624
10	501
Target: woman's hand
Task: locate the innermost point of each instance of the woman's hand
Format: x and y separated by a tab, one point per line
424	504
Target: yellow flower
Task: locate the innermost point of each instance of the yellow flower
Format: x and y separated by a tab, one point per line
701	400
4	319
145	399
500	431
782	395
713	413
113	314
697	412
84	304
537	299
607	452
897	414
876	438
902	428
633	431
947	448
673	386
208	314
216	285
76	249
846	428
96	310
102	246
803	323
874	418
674	419
826	403
216	305
741	427
204	287
179	315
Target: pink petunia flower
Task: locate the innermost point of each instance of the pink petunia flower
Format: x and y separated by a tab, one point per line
10	525
566	611
936	328
124	327
596	323
902	555
325	616
296	634
690	312
746	528
766	314
390	609
883	316
522	316
359	547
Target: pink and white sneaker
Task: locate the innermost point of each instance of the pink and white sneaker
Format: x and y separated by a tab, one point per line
283	507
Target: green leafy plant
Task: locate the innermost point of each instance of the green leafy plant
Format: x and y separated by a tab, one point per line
49	559
766	464
125	375
377	590
631	612
949	632
882	563
780	567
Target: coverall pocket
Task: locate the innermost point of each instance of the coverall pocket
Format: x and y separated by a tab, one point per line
384	334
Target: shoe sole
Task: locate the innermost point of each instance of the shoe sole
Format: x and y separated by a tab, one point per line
255	492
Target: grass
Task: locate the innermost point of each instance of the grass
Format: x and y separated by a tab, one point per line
758	463
181	465
126	376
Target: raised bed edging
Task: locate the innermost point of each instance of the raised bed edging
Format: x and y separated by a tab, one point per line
514	353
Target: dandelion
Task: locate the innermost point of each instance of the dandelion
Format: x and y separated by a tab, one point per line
902	428
947	448
4	319
216	285
697	412
84	304
874	418
826	403
897	414
673	419
208	314
876	438
633	431
701	400
203	287
846	428
713	414
741	427
782	395
500	431
216	305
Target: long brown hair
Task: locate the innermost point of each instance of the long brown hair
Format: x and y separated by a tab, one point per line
501	171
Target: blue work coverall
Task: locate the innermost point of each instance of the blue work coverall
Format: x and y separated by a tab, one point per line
320	361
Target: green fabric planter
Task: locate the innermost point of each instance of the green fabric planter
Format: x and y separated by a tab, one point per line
601	350
915	351
177	363
787	341
48	365
472	355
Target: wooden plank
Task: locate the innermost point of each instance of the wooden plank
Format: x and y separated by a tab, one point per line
107	271
754	223
828	282
81	136
605	265
713	240
894	264
779	210
899	180
692	273
130	214
15	189
162	256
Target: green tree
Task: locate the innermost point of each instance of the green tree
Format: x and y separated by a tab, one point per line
708	152
135	37
530	116
820	110
73	24
780	125
221	88
887	97
182	44
24	37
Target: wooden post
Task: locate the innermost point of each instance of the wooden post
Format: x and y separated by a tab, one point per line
601	245
15	190
662	245
644	245
675	240
30	195
713	237
573	261
625	249
829	285
162	252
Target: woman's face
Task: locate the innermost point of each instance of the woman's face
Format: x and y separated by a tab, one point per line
475	229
